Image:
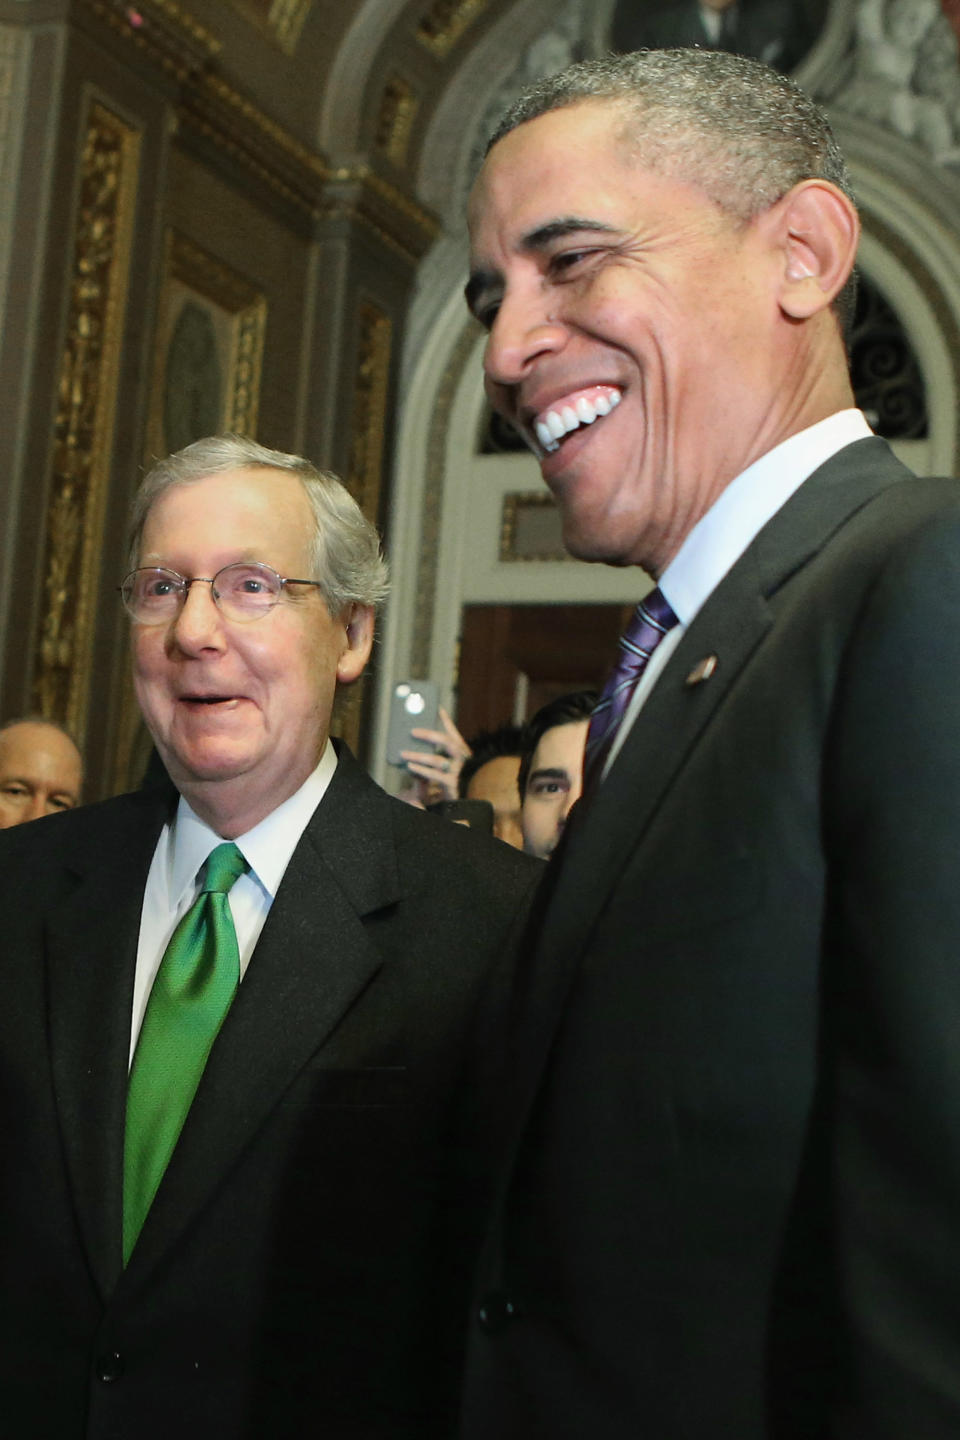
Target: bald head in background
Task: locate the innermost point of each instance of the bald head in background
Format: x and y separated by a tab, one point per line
41	771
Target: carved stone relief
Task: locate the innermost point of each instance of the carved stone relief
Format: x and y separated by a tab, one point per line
906	75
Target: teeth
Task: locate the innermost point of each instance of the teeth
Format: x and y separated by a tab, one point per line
552	427
544	436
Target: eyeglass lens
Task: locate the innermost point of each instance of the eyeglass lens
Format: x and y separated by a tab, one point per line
243	591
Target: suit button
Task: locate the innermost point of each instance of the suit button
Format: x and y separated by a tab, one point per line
110	1367
495	1312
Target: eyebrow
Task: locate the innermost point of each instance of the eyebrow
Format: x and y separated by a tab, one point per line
548	772
530	244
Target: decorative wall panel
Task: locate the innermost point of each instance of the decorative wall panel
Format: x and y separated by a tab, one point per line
364	476
395	117
83	437
209	351
365	471
445	21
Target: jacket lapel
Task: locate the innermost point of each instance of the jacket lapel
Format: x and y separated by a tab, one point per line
730	626
91	940
313	959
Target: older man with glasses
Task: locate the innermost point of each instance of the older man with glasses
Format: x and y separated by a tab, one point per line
238	1196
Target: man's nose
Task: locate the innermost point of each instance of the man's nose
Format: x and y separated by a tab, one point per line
522	332
37	806
199	623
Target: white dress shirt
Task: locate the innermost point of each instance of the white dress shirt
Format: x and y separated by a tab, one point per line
720	537
173	881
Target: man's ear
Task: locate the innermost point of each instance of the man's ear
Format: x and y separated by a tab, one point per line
818	233
358	624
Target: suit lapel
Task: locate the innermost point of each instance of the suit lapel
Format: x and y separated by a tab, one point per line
730	626
313	959
91	941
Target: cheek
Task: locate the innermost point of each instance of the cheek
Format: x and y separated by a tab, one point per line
148	655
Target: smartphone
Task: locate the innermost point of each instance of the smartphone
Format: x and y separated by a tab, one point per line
413	704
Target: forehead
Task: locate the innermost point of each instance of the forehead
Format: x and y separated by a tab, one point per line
248	510
498	777
562	747
41	750
557	155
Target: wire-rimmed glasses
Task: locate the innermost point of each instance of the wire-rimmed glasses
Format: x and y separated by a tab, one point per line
244	590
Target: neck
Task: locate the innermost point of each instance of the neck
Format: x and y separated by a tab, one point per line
233	807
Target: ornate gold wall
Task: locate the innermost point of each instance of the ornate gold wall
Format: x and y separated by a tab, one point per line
162	213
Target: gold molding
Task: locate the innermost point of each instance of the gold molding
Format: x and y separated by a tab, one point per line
514	504
282	20
211	108
245	310
87	398
445	22
364	472
162	30
396	113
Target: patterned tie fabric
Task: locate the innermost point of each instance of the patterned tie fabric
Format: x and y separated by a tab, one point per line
652	619
192	992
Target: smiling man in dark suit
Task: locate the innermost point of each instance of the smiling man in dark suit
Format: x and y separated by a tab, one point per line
264	1231
731	1199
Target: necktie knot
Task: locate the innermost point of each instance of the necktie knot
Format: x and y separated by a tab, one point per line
223	869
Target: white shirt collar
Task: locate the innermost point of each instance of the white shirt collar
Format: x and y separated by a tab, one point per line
721	536
267	848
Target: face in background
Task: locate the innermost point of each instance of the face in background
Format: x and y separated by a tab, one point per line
240	711
629	321
496	782
554	783
40	772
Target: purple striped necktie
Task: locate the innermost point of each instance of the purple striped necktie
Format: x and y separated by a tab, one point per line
652	619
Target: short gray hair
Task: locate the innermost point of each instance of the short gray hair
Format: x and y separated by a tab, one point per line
742	132
346	557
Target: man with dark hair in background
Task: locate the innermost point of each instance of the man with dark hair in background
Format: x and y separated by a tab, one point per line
551	772
237	1197
490	773
730	1200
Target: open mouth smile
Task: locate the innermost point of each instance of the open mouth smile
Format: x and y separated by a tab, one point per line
581	407
209	700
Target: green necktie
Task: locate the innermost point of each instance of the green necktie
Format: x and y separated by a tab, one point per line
192	992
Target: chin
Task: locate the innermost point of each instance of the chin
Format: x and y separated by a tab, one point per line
202	766
598	549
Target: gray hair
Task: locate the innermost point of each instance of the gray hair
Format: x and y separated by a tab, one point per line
346	558
740	131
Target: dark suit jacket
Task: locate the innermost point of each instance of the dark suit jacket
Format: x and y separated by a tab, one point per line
294	1274
779	32
731	1206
